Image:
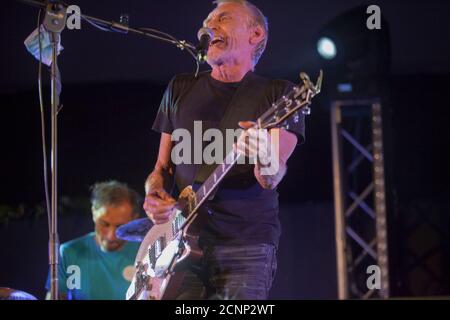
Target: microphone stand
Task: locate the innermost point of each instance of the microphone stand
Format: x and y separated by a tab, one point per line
54	238
54	22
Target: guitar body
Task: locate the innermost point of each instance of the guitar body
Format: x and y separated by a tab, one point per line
161	262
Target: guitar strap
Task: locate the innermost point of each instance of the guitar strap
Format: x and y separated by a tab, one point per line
244	106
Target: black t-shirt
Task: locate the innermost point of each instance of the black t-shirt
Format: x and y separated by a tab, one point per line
241	210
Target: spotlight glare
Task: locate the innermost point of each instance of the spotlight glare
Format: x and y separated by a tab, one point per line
326	48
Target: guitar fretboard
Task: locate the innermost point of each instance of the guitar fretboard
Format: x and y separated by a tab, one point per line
215	177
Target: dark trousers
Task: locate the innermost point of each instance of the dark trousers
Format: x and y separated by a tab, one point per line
242	272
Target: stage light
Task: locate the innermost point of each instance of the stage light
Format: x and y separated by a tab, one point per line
326	48
355	59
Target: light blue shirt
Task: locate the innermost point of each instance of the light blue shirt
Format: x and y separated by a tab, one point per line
101	275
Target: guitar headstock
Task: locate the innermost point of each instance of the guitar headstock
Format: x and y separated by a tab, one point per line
297	100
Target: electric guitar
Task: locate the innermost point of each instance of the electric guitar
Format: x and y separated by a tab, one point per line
168	248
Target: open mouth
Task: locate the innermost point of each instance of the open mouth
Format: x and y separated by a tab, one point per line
217	41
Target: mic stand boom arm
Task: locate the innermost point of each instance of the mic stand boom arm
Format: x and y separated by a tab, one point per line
119	27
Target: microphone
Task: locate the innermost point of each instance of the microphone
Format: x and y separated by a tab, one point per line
204	35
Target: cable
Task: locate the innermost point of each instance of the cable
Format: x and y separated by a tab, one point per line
179	44
41	106
161	33
148	32
94	24
197	69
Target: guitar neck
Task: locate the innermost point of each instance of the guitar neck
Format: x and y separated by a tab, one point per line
222	169
216	177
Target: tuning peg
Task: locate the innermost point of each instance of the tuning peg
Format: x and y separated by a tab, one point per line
287	101
318	82
306	110
306	81
304	76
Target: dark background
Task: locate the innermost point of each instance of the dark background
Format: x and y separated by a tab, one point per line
112	85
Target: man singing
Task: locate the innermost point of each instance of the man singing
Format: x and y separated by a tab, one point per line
242	229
